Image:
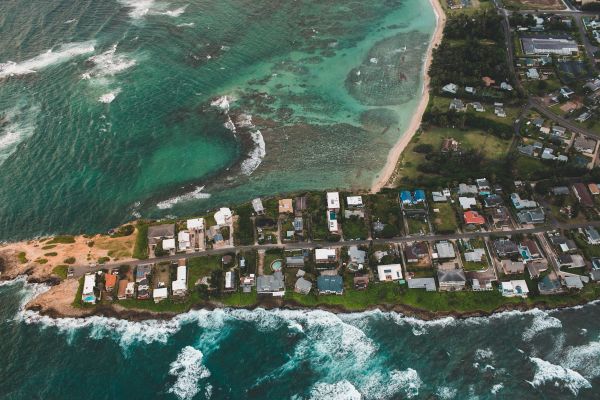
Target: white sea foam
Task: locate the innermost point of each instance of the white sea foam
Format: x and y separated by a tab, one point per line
174	13
230	125
186	25
483	354
108	63
496	388
342	390
108	98
56	55
244	121
446	393
20	125
138	8
189	371
395	384
541	322
546	372
585	358
223	102
195	194
70	21
256	155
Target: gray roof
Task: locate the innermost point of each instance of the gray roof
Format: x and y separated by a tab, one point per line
422	283
295	260
592	233
161	231
356	255
453	275
330	284
445	249
560	190
270	283
505	246
303	286
535	216
573	282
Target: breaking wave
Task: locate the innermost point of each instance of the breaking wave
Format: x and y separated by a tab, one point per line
256	155
138	9
189	371
108	63
342	390
108	98
193	195
546	372
56	55
19	124
541	322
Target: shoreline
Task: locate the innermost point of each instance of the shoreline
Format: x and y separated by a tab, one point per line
394	154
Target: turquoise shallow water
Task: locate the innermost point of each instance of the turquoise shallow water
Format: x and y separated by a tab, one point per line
110	110
226	354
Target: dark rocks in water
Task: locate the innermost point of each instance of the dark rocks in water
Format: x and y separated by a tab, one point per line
378	119
285	113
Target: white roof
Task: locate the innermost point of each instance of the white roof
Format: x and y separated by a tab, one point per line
89	283
183	236
168	244
333	225
182	273
228	280
389	272
160	293
333	200
130	288
467	202
522	284
324	254
222	216
195	223
179	286
475	256
354	200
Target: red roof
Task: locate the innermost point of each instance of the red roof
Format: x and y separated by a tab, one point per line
473	218
110	280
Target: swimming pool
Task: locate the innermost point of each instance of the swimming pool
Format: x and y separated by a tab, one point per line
276	265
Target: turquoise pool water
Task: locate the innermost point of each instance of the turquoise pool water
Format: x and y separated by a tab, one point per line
276	265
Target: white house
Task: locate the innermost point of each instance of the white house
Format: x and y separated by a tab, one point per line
354	201
450	88
195	224
333	201
168	244
183	240
160	294
179	286
389	272
467	202
89	283
223	216
515	288
325	255
532	73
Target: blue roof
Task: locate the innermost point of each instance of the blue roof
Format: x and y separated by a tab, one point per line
405	196
419	194
330	283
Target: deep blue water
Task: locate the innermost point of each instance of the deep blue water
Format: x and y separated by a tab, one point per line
227	354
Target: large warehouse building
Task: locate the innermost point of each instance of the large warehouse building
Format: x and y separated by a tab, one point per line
549	45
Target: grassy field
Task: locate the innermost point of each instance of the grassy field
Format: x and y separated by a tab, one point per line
117	248
140	249
445	219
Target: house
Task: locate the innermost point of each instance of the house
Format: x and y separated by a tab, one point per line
179	286
565	245
332	222
558	130
169	245
470	89
573	282
449	145
258	207
593	188
532	73
422	283
533	216
354	201
467	202
548	286
298	224
183	240
406	197
473	218
110	281
475	255
389	272
584	144
438	197
536	267
302	286
285	206
592	235
506	86
294	262
582	194
419	196
545	130
330	284
300	205
483	185
492	200
548	154
160	294
229	281
142	279
122	291
457	105
520	203
514	288
450	88
478	107
500	216
271	284
499	111
506	248
444	250
157	233
415	252
464	189
570	260
538	122
566	92
560	191
223	216
451	280
356	256
510	267
333	201
549	44
487	81
325	256
195	227
361	282
531	250
89	284
479	286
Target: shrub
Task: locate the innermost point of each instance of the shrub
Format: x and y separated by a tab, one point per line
69	260
62	239
51	254
103	260
22	258
423	148
61	271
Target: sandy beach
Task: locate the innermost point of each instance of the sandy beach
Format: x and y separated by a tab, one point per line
394	154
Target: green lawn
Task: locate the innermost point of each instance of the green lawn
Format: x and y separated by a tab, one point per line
444	221
61	271
416	225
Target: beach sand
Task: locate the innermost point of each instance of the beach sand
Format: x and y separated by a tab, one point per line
392	160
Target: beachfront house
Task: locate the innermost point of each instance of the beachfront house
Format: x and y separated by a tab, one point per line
157	234
223	217
333	201
122	290
179	285
258	207
452	280
110	281
271	284
160	294
514	288
389	272
195	228
302	286
89	285
330	284
286	206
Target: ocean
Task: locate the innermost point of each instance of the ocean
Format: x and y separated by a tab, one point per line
282	354
119	109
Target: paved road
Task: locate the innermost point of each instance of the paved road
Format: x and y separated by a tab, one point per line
80	270
590	49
